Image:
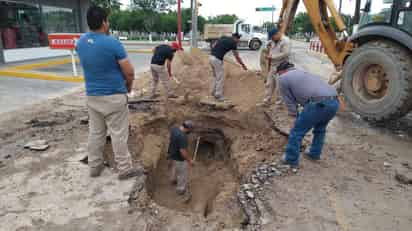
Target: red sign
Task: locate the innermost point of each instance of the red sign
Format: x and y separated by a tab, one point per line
65	41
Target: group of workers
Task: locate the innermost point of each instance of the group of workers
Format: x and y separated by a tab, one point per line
109	77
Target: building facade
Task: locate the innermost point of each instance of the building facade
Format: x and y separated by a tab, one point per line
25	24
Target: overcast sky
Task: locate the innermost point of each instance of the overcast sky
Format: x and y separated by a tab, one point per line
247	10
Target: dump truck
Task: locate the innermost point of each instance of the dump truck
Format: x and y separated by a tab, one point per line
375	62
252	36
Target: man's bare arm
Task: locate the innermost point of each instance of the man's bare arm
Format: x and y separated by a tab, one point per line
186	156
239	60
169	67
128	72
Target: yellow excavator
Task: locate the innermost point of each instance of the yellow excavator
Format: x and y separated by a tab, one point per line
375	62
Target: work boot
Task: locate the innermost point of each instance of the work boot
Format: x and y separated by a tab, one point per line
283	162
185	195
220	99
154	96
131	172
311	158
96	171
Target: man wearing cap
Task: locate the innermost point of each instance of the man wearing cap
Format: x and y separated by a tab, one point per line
178	153
279	51
320	105
163	54
219	50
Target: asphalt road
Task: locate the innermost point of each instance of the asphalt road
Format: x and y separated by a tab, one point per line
15	93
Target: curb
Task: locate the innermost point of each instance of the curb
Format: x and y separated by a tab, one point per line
41	76
140	51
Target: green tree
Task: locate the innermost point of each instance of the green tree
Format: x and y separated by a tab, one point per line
347	20
109	5
302	24
222	19
154	4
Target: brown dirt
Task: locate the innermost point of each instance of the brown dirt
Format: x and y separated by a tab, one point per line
232	141
352	188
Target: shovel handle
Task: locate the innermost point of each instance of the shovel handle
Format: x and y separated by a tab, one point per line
196	149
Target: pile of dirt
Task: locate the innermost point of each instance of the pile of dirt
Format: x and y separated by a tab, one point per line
232	142
194	78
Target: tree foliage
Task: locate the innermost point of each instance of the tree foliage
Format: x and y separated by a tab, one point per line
152	21
154	4
223	19
109	5
302	23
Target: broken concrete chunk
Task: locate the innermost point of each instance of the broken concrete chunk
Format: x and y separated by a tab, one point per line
84	120
37	145
403	176
250	194
387	164
216	105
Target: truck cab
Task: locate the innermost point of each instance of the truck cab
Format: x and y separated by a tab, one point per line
252	36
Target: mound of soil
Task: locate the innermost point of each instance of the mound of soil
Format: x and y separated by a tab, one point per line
232	142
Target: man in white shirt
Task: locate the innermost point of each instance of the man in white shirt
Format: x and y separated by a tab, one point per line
279	51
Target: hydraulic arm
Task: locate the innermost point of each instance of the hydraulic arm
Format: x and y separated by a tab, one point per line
319	11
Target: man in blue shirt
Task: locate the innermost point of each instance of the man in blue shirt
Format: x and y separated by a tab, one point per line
320	103
109	77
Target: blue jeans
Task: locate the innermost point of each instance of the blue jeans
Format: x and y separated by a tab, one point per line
316	115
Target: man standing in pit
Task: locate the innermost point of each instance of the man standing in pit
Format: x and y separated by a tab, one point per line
320	103
181	161
279	51
109	77
163	54
223	46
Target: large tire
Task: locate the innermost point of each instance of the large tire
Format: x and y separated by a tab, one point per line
377	100
255	44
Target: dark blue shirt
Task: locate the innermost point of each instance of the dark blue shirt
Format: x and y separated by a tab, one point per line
178	141
99	55
161	54
297	87
222	46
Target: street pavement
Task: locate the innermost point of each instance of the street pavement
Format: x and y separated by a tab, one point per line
16	93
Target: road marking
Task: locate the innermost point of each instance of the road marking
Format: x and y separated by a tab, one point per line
21	71
42	64
42	76
140	51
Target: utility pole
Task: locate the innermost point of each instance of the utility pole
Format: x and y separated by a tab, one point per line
179	22
193	42
340	6
273	16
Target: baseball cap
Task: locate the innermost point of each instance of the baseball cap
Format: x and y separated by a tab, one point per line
237	35
188	124
272	32
175	46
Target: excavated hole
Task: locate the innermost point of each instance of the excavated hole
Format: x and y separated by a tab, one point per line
206	179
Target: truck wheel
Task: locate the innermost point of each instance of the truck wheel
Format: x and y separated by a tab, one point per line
377	81
255	44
